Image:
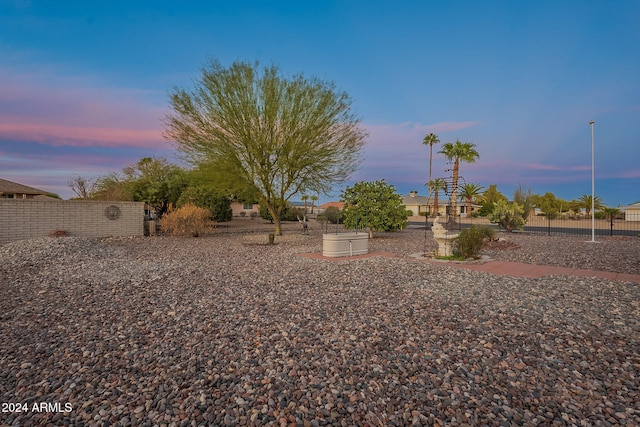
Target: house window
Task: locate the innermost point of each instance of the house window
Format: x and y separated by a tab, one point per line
247	206
8	196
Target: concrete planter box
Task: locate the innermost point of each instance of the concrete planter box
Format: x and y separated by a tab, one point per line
345	244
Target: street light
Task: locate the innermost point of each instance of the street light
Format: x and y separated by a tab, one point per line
593	187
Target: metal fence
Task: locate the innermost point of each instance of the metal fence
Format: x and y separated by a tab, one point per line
560	226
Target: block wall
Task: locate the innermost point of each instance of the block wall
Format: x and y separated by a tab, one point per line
25	219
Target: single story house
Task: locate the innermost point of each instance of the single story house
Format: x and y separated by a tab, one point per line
323	207
244	209
13	190
420	204
632	212
416	204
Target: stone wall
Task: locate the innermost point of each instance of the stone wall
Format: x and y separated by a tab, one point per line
24	219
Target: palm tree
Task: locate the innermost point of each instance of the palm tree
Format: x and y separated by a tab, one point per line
468	193
456	152
585	202
304	198
430	140
313	198
437	185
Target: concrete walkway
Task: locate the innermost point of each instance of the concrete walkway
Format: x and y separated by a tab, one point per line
499	267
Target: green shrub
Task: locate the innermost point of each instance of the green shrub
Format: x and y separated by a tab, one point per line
333	215
469	243
487	232
289	213
507	215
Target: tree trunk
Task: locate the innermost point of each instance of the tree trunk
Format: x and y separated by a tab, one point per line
275	215
370	233
435	205
276	221
430	184
454	191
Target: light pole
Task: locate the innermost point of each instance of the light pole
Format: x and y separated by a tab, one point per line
593	187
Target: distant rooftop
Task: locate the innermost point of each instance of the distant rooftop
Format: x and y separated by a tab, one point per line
9	187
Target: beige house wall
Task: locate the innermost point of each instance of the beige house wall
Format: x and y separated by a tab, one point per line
237	208
632	214
25	219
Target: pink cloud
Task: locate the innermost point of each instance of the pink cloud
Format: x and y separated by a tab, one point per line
448	126
59	110
408	130
631	174
77	136
536	166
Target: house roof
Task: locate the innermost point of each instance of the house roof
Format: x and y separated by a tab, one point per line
415	200
632	206
10	187
339	205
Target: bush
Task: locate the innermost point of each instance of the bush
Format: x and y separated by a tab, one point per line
507	215
289	213
469	242
487	232
333	215
188	220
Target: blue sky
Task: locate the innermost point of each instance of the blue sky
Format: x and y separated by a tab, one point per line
84	85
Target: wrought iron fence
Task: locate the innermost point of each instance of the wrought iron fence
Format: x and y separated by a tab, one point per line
559	226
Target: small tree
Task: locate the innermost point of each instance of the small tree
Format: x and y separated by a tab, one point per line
436	186
585	202
549	204
468	193
524	197
490	196
82	187
611	213
111	187
374	205
207	197
258	131
507	215
333	215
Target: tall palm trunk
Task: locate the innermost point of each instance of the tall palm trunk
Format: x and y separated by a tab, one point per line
430	186
435	204
454	191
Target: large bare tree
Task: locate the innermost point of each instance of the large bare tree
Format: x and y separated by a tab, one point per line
258	132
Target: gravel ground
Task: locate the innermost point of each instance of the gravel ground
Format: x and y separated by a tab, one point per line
225	330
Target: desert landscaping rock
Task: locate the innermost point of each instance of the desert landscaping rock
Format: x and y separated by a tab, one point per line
224	330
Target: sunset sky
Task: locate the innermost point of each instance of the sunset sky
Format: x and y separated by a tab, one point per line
84	85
